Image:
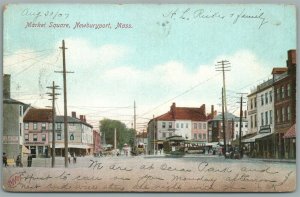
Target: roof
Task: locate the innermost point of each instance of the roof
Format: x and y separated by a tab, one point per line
71	120
184	113
38	115
230	116
291	133
279	70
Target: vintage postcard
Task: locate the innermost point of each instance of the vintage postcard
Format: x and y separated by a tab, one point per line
149	98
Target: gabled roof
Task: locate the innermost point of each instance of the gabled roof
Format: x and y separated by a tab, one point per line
38	115
60	119
184	113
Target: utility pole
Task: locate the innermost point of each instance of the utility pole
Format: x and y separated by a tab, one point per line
153	135
224	66
115	139
53	94
134	117
64	72
223	124
240	131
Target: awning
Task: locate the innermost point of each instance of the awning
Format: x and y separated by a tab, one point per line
259	136
25	150
81	146
291	133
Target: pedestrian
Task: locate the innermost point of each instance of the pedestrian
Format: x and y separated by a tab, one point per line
4	158
69	157
29	160
74	158
19	161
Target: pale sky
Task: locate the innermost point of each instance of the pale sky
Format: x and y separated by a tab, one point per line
168	55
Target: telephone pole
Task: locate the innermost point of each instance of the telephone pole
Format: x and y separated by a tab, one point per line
153	135
224	66
64	72
134	117
240	129
53	94
223	124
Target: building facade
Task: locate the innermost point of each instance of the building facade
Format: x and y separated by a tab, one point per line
13	113
285	106
37	125
189	123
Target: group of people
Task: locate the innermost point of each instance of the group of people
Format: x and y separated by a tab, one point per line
74	157
19	162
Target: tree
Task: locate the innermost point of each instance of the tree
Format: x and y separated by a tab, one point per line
124	135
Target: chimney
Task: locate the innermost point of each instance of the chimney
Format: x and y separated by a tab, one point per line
73	114
291	61
81	117
84	120
6	86
173	110
212	111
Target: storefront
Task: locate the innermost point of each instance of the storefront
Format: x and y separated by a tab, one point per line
290	143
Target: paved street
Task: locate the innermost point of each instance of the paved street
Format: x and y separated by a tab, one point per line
82	162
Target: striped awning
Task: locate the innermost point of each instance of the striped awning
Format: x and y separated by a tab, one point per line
291	133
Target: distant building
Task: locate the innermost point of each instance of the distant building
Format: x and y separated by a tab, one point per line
97	142
80	136
37	125
190	123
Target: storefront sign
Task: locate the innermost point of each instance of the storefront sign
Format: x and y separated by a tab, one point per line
265	129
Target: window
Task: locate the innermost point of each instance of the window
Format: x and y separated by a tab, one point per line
26	126
177	125
271	117
278	94
182	125
186	125
200	136
288	111
58	126
50	126
170	125
163	125
34	126
277	115
58	135
255	121
251	121
195	125
43	126
246	125
266	97
195	136
262	99
251	104
271	98
20	129
72	136
236	125
262	119
35	137
288	90
266	114
26	136
43	137
283	114
21	111
200	125
204	125
255	102
204	136
282	92
164	134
